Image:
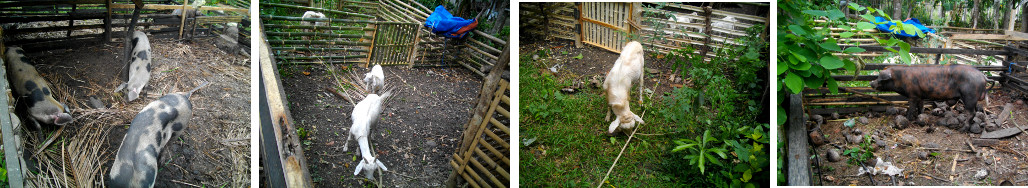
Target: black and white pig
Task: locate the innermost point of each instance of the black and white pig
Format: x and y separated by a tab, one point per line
139	66
136	162
934	82
33	92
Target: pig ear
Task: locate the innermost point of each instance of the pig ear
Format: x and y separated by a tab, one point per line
885	75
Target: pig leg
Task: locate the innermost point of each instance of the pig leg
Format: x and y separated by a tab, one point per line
971	105
916	104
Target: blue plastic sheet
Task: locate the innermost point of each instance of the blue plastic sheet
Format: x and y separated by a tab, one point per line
444	23
913	21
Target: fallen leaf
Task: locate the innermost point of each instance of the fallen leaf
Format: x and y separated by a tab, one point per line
305	73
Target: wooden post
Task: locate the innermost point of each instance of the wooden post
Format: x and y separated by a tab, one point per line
798	158
578	25
107	22
71	21
182	25
707	12
128	32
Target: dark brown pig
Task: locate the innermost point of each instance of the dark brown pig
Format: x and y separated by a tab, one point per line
945	82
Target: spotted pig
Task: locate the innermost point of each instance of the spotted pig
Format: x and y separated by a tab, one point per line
34	94
136	162
934	82
139	67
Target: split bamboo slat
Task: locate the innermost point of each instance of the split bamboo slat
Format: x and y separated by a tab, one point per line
477	166
605	25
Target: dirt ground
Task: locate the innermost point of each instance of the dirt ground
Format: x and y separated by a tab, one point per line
213	151
415	138
595	62
953	164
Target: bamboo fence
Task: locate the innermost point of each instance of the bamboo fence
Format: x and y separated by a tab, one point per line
56	24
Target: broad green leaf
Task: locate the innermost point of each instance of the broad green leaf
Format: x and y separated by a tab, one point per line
798	56
835	14
816	70
865	25
746	176
851	50
814	82
846	34
800	66
579	56
831	62
830	44
816	12
868	17
781	116
832	85
856	7
794	83
798	30
782	67
849	66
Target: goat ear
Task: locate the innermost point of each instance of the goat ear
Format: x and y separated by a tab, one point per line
381	165
614	125
360	166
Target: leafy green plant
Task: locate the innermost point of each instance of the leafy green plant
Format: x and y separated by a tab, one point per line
862	153
700	151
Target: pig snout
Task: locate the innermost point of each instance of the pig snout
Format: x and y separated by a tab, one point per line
62	119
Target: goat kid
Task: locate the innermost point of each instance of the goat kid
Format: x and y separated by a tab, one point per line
618	84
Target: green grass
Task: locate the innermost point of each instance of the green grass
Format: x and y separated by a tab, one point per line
571	148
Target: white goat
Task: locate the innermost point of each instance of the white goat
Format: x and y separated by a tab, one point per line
364	115
680	19
725	23
312	14
374	80
618	83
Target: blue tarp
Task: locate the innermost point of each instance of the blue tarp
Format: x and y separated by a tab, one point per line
444	23
912	21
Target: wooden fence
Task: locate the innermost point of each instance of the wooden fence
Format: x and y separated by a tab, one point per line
46	25
486	162
609	25
393	35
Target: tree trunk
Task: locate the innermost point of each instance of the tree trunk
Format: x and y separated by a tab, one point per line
896	4
1008	20
974	14
1024	17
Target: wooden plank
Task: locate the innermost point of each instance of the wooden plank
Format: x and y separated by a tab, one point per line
1003	115
172	7
1002	133
986	37
933	50
1016	34
981	142
798	151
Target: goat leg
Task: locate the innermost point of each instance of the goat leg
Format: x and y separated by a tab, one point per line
347	142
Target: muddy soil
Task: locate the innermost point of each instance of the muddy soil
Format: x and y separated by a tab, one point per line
415	138
212	151
954	163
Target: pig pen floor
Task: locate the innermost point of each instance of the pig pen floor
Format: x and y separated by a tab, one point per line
415	138
212	151
1003	162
